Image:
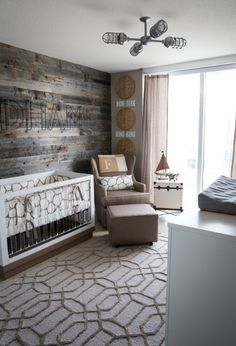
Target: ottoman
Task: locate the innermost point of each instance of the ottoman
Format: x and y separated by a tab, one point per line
132	224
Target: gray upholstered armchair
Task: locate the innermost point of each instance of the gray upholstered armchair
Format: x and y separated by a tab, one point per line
105	197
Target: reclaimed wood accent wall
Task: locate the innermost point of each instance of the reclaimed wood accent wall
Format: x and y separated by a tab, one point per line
53	114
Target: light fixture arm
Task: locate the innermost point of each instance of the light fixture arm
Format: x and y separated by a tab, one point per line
133	39
144	20
155	31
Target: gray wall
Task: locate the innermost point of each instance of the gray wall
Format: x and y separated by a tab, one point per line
53	114
137	128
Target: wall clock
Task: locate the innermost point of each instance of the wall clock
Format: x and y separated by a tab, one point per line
125	146
125	87
125	118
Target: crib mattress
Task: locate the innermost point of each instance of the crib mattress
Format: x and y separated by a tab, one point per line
220	196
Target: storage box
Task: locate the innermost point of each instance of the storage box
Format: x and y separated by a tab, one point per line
168	195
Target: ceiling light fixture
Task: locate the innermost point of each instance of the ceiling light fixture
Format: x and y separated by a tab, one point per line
155	31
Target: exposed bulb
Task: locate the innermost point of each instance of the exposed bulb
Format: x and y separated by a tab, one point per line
158	29
114	37
136	49
174	42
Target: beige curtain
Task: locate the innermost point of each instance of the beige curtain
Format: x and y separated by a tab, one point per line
155	113
233	166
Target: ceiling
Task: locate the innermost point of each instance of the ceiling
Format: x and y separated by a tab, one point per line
72	30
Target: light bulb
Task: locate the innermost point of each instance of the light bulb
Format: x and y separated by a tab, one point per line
174	42
158	29
136	49
114	37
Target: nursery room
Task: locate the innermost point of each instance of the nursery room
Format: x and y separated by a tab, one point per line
117	173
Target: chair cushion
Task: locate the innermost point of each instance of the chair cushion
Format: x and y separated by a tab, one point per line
125	197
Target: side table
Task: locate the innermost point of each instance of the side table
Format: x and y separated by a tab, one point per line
168	195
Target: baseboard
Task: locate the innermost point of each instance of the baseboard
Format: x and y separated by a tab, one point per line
40	256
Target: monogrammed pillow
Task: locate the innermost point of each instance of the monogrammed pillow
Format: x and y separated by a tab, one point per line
119	182
112	163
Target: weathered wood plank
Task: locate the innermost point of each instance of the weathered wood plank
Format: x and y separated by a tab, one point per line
52	113
98	95
24	59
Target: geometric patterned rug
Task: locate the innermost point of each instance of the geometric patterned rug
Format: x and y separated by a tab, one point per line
92	294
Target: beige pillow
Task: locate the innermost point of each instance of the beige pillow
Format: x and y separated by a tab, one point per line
112	163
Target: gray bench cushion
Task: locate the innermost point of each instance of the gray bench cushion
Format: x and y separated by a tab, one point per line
220	196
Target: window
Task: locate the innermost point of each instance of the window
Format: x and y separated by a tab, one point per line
220	109
201	120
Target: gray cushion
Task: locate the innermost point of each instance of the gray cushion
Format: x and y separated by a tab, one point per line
131	210
220	196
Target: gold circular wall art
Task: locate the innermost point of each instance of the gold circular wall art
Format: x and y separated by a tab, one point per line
125	146
125	87
125	118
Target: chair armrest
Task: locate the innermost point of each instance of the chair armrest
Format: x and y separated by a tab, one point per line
139	186
101	191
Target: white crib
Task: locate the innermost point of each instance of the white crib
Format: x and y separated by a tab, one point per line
41	214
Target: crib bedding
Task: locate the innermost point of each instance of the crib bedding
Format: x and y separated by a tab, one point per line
32	210
28	184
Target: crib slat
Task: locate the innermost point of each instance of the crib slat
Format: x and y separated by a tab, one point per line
23	241
49	231
45	232
14	246
58	227
9	245
20	245
70	223
74	218
73	221
65	225
31	238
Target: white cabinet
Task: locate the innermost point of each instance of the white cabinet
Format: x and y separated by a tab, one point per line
168	194
201	286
